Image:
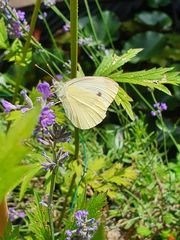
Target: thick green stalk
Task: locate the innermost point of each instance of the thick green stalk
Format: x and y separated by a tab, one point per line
20	69
74	55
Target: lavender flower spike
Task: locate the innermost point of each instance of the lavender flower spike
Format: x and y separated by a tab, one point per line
85	227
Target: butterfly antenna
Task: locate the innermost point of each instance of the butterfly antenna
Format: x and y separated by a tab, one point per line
44	70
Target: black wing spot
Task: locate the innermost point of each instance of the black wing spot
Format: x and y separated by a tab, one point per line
99	94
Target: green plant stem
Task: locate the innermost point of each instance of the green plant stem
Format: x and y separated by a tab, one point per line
74	55
20	70
49	31
50	198
105	25
90	20
66	198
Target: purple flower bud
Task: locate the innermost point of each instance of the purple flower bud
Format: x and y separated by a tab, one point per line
27	100
163	106
153	113
44	88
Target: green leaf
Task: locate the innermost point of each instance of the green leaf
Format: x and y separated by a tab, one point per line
39	220
123	99
143	231
112	62
110	21
152	43
100	233
4	44
95	204
13	151
158	3
154	18
152	78
33	171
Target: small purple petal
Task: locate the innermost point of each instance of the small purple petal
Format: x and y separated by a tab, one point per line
163	106
9	106
44	88
153	113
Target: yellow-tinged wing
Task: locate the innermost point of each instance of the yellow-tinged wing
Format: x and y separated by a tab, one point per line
85	100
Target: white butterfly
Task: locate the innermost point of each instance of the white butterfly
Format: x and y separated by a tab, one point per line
86	99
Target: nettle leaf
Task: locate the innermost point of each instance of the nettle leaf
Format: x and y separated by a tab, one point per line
152	78
13	152
112	62
123	99
4	44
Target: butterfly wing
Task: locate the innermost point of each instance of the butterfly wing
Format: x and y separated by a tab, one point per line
86	100
103	87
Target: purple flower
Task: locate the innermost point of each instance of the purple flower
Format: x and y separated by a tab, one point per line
48	166
9	106
15	20
43	203
153	113
21	15
47	117
160	106
163	106
44	88
66	27
14	214
85	227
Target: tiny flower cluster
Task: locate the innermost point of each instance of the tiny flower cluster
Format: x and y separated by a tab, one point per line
85	227
60	157
49	3
14	214
159	108
17	24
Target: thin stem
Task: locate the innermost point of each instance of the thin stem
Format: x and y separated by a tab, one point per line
90	20
49	30
50	198
105	25
66	199
74	55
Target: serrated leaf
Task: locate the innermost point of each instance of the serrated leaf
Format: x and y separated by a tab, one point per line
112	62
123	99
152	78
4	44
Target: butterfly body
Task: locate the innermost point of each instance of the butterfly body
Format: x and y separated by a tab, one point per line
85	100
